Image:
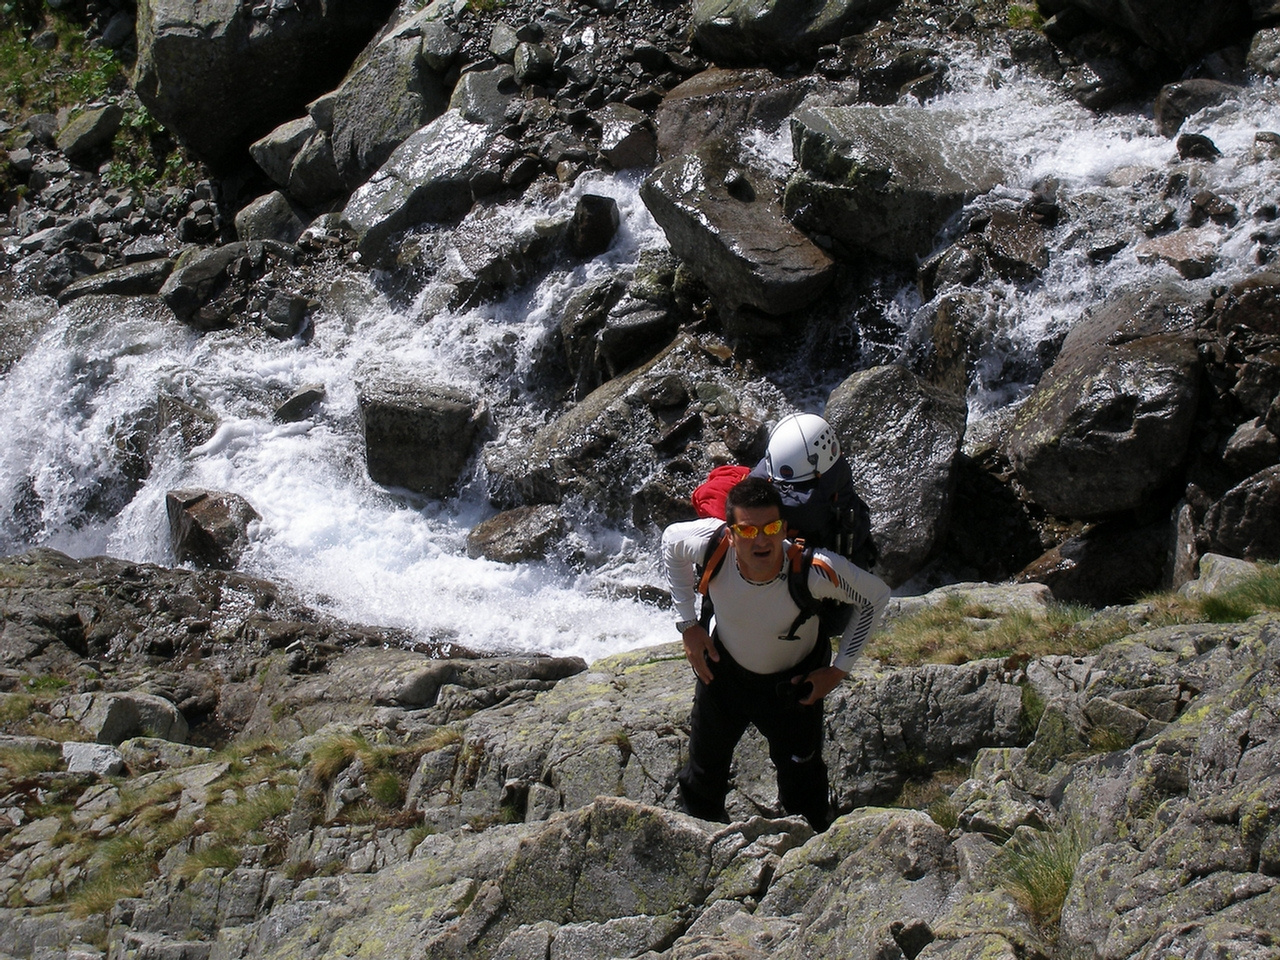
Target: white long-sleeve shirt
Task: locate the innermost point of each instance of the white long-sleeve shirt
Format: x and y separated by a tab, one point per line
752	619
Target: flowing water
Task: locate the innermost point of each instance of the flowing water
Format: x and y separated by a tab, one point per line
71	407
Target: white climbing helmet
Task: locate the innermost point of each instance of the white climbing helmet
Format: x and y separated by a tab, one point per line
802	447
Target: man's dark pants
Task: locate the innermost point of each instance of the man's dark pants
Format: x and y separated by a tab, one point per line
724	708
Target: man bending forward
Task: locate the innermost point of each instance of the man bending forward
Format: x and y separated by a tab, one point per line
750	671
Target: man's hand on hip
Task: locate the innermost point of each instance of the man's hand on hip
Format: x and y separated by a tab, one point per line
698	646
824	680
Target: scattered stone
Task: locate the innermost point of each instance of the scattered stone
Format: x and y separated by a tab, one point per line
209	528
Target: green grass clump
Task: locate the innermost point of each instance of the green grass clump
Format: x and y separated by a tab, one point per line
119	868
1025	17
1259	593
220	856
22	762
1037	868
144	154
931	793
958	630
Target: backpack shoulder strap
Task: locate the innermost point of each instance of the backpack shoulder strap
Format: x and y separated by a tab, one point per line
713	558
802	560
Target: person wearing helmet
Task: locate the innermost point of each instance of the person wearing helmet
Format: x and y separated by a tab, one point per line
761	661
819	501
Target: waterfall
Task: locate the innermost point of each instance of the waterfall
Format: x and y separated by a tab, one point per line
90	453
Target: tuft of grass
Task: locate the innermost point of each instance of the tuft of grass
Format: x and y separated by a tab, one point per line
1037	868
36	79
332	756
15	707
143	153
1032	711
385	789
241	820
220	856
45	684
931	792
1259	593
22	762
1106	740
120	868
1025	17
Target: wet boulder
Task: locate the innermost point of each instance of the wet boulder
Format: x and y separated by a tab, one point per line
1109	423
213	288
270	217
750	32
715	101
220	76
426	179
594	225
1246	324
885	180
518	535
723	218
627	138
418	434
1113	562
1177	101
483	96
390	92
620	321
660	424
90	129
902	438
209	528
489	254
1177	29
139	279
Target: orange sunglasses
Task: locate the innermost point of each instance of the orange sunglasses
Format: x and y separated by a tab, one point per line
749	532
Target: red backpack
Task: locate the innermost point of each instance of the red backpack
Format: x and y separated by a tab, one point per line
708	496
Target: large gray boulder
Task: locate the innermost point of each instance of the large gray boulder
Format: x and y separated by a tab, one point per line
716	103
885	180
1245	522
1110	421
116	717
722	217
1180	30
901	436
611	450
298	156
426	179
418	434
220	77
390	92
756	32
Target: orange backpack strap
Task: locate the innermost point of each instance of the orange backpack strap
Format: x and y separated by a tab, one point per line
716	551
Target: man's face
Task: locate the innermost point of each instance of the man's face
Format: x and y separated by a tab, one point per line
759	557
